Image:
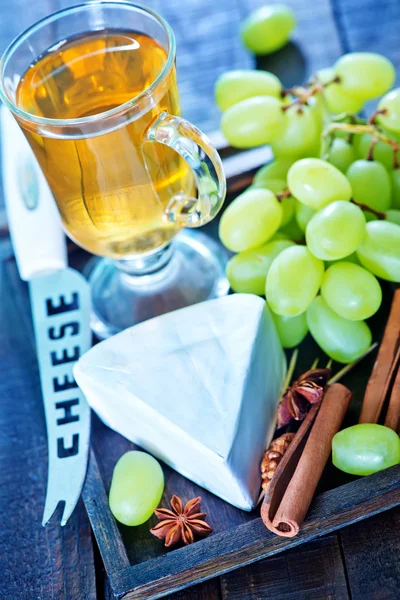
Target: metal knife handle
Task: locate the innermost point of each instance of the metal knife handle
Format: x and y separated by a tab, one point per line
61	313
34	222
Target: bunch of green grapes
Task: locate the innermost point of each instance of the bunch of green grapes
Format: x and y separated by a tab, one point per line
320	223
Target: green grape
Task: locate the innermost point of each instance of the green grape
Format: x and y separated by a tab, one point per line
390	104
303	214
300	134
291	330
380	250
234	86
337	100
316	183
341	154
247	271
394	135
381	153
342	340
292	230
277	169
369	216
393	216
288	205
136	488
353	258
318	109
365	75
351	291
253	122
365	448
276	186
336	231
279	235
293	281
268	28
371	184
395	180
250	220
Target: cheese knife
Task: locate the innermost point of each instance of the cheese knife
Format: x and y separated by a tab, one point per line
60	303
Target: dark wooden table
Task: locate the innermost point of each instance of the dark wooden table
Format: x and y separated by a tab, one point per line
63	564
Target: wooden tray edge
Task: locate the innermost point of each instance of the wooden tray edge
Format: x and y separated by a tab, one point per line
229	550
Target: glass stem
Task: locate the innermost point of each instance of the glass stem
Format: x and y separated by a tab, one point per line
147	264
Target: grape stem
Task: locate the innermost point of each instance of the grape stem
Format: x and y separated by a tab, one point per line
304	93
372	129
283	194
372	119
370	155
350	366
377	213
360	129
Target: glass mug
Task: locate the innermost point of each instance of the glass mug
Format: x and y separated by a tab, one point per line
93	88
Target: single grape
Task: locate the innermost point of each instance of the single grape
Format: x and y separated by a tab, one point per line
300	134
336	231
341	154
393	216
268	28
293	281
291	330
395	180
276	186
381	153
365	75
342	340
336	99
234	86
303	214
351	291
250	220
390	104
247	271
292	230
380	250
316	183
136	488
277	169
365	448
253	122
371	184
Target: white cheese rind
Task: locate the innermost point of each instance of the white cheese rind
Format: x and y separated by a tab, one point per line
197	388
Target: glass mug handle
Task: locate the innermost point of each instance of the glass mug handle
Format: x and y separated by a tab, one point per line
202	157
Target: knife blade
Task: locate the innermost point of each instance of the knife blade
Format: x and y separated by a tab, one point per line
60	302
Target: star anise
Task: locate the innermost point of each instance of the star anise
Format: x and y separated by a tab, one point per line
182	523
308	389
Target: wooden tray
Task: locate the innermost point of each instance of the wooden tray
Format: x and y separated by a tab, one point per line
137	564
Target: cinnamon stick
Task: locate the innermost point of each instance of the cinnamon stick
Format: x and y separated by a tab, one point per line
393	412
385	366
292	488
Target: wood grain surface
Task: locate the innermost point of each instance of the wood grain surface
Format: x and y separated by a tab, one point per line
361	561
50	562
